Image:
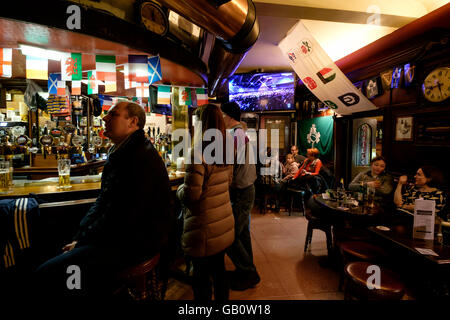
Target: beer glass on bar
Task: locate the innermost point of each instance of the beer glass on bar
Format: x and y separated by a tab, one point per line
64	174
4	176
371	197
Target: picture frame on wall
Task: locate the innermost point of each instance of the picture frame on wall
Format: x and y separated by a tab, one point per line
404	129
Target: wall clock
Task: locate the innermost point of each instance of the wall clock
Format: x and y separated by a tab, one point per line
436	86
153	18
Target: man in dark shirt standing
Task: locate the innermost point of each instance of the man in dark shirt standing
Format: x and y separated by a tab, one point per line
130	219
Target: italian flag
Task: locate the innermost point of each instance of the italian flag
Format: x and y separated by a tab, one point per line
5	62
164	94
185	98
202	97
71	67
105	67
92	83
36	68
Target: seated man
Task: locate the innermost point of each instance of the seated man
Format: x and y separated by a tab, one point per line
129	221
297	157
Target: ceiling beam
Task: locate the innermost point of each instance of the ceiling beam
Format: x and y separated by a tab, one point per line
334	15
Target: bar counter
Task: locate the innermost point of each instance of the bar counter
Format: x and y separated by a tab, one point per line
82	187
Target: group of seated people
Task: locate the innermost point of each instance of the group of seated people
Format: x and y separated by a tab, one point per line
304	173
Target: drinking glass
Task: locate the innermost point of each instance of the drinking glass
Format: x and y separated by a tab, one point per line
64	174
370	197
4	176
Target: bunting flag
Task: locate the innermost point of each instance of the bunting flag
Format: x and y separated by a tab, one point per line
138	68
92	83
5	62
372	88
164	94
110	86
409	74
107	102
202	96
396	76
320	74
36	68
105	67
154	69
185	98
128	84
76	88
71	67
61	90
142	91
52	83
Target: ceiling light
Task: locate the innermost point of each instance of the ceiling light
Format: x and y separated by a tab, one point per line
41	53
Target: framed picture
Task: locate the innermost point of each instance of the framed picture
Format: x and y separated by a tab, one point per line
404	129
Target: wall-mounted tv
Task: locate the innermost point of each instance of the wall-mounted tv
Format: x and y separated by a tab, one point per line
262	91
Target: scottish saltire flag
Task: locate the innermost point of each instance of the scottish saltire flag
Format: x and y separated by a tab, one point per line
185	98
202	96
36	68
61	90
154	69
52	83
164	94
105	67
5	62
142	91
76	88
92	83
71	67
138	68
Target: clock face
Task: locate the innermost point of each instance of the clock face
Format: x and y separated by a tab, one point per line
436	86
154	18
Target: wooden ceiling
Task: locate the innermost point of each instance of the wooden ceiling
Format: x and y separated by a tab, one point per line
14	33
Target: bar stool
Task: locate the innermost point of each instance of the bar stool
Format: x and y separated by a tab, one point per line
296	193
356	276
352	251
141	281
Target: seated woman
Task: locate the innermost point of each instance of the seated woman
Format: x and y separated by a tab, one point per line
290	168
376	178
307	173
426	180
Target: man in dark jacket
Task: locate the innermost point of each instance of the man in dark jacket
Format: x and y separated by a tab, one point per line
129	221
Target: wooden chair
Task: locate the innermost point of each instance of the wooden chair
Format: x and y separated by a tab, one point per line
141	281
320	224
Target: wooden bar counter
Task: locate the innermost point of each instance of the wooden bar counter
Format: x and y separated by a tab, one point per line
82	187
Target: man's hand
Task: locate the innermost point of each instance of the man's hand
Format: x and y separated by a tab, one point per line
69	247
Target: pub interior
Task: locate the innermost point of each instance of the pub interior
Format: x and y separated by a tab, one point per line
374	95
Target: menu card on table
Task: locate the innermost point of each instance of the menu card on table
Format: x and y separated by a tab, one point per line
424	211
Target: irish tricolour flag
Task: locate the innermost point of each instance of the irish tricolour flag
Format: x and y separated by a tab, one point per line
71	67
164	94
92	83
105	67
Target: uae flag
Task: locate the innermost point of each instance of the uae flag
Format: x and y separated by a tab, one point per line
36	68
71	67
105	67
76	88
61	90
5	62
138	68
185	98
92	83
202	97
164	94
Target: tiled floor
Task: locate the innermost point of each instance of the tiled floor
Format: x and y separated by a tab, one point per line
287	273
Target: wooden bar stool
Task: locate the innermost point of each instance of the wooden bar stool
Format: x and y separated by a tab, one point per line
356	276
141	281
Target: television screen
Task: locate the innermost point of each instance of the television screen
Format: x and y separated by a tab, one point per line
262	91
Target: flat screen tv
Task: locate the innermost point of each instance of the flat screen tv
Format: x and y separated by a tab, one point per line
262	91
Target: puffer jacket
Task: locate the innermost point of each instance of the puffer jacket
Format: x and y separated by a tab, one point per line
208	218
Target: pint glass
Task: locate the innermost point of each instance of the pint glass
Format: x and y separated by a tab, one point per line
64	173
